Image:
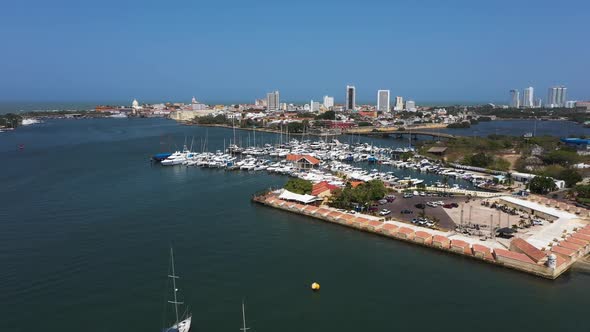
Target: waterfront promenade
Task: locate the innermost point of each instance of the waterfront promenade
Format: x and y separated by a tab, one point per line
517	254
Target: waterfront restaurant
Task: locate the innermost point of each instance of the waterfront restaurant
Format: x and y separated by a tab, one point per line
303	161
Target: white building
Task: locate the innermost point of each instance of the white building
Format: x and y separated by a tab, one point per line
556	96
383	101
328	102
272	101
527	97
514	98
570	104
135	105
399	104
314	106
410	106
350	98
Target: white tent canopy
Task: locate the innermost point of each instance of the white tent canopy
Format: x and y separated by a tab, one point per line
305	199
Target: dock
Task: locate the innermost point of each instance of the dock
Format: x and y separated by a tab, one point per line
520	255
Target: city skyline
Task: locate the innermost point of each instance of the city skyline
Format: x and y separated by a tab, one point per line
160	52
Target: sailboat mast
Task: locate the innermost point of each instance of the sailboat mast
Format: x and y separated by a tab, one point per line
173	276
244	318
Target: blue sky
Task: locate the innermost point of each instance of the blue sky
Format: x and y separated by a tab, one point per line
226	51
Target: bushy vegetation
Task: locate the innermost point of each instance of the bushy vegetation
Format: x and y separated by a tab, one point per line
328	115
541	185
10	120
362	194
299	186
486	160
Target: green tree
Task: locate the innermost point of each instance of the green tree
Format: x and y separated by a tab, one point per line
328	115
570	176
299	186
542	185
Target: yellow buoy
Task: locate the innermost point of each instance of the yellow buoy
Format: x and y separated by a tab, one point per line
315	286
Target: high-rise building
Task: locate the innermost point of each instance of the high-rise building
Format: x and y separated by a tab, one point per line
399	104
350	98
514	98
314	106
383	100
328	102
527	97
556	96
272	101
410	106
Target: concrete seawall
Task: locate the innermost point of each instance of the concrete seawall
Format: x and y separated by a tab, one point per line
521	256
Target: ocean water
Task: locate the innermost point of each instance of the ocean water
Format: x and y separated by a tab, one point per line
86	223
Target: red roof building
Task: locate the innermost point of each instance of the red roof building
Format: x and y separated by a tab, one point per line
522	246
323	188
511	256
461	247
483	252
303	161
441	241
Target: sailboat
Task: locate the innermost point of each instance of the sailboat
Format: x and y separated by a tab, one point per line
244	329
180	324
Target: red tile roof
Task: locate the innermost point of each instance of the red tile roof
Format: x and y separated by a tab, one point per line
585	231
527	248
513	255
571	245
581	236
347	216
405	230
375	223
445	241
334	214
465	247
354	184
390	227
487	252
321	187
310	208
298	157
578	241
563	251
423	235
322	211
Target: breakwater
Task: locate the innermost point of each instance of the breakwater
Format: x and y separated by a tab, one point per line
520	255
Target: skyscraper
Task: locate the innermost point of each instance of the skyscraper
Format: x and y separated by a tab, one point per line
328	102
410	106
399	104
272	101
527	97
383	100
556	96
514	98
350	98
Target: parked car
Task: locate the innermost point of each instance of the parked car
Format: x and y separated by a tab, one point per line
537	222
382	201
414	221
406	211
432	204
455	205
390	198
384	212
408	195
448	206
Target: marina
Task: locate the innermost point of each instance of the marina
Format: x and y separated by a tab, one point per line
65	243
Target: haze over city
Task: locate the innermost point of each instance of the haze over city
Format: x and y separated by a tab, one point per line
235	51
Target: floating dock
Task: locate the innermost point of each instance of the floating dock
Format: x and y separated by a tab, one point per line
521	255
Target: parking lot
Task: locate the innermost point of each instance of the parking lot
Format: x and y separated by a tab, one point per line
440	213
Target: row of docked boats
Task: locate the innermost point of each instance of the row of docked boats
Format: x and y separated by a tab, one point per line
337	160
